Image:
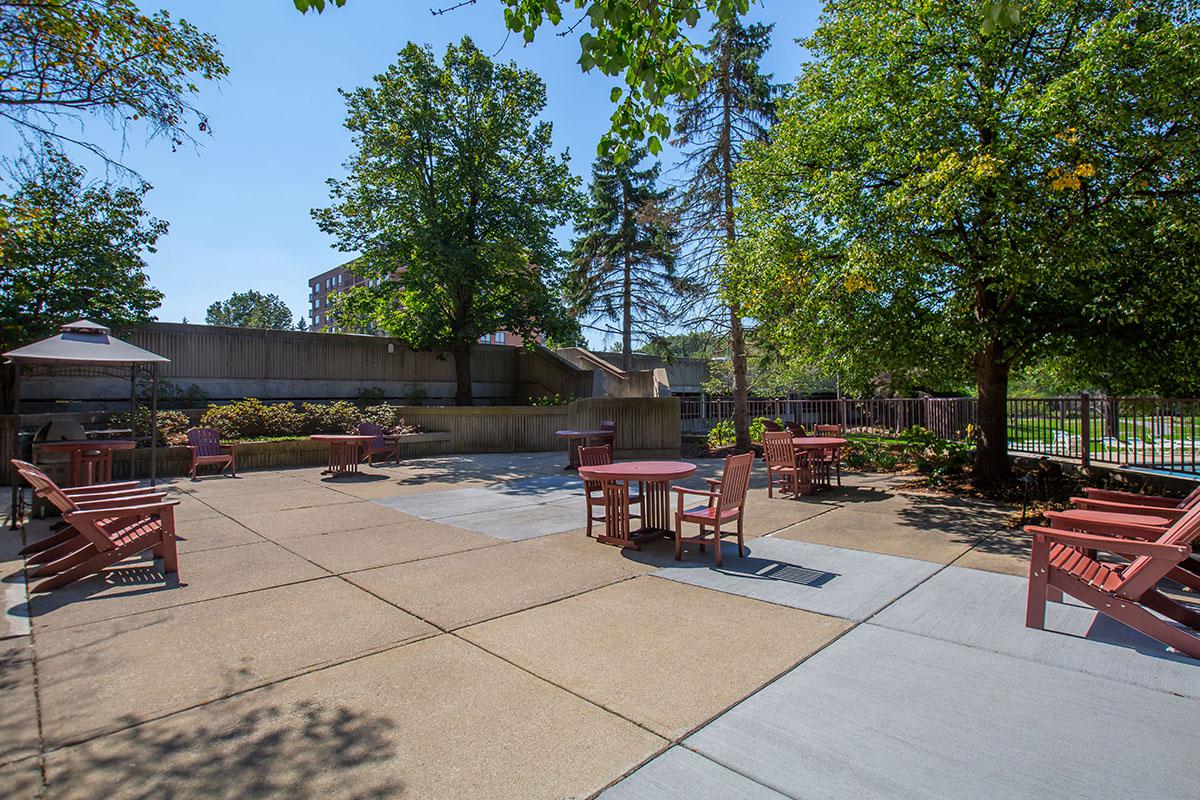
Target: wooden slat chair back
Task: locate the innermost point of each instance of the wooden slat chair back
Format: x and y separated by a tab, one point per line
830	458
605	495
379	444
1063	561
783	462
725	505
608	425
827	430
206	447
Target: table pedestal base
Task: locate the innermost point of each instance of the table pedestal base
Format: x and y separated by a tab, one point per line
656	514
343	458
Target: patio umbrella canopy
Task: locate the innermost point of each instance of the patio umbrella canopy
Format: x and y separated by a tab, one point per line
84	343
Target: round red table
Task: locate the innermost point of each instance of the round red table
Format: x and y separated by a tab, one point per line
654	479
577	439
90	460
811	443
343	451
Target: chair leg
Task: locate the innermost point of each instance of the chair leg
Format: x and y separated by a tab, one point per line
91	566
1039	565
717	541
52	554
193	469
770	483
170	554
65	535
1170	609
65	562
741	541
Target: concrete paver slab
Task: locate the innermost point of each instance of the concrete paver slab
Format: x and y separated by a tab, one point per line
238	505
680	774
140	585
664	654
1006	551
911	526
517	524
473	586
291	523
987	610
365	548
886	714
13	597
211	533
21	780
851	584
140	667
433	719
18	722
453	503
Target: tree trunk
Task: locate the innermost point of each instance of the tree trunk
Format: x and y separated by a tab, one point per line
462	376
991	379
741	400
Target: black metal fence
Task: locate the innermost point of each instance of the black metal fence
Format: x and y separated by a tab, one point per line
1148	432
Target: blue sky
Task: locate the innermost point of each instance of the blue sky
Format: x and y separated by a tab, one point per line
239	205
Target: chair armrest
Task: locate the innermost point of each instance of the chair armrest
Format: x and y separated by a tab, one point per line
99	488
713	481
120	502
120	512
229	447
133	491
1088	503
1115	496
1111	544
700	492
1134	529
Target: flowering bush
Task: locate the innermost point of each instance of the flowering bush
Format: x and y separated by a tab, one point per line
172	425
250	418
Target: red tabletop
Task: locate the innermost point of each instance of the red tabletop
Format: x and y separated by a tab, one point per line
88	444
583	434
819	441
638	471
1084	515
341	437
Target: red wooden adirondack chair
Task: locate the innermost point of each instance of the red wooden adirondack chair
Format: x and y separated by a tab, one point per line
1132	503
784	464
726	503
72	499
107	532
594	490
1063	561
206	447
378	445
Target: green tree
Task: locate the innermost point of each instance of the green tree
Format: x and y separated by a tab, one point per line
66	58
734	105
948	197
71	249
250	310
643	43
454	185
623	256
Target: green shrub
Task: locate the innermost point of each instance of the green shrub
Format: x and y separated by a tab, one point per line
370	396
551	400
336	417
722	434
244	419
172	425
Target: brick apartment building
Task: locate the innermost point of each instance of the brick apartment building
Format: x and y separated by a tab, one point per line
321	289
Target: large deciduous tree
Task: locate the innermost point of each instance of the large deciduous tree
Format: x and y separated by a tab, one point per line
623	256
251	310
454	189
66	59
949	197
71	249
734	105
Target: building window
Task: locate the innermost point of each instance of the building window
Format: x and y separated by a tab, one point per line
485	339
500	337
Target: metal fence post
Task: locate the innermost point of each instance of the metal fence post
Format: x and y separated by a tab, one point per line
1085	429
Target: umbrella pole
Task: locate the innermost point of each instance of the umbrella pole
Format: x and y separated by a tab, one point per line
16	435
153	422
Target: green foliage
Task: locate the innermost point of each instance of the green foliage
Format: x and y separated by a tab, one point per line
105	58
252	418
552	400
870	454
623	256
723	434
251	310
71	249
645	44
171	429
454	184
415	396
946	200
370	395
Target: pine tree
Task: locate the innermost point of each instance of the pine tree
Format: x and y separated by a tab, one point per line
623	256
734	106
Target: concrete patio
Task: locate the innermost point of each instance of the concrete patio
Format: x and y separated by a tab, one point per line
444	628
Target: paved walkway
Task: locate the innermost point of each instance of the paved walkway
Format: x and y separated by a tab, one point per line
445	629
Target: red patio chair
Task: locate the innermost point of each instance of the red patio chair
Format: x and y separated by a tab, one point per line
726	503
378	445
105	533
830	458
1132	503
1063	562
594	490
784	464
206	447
72	499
